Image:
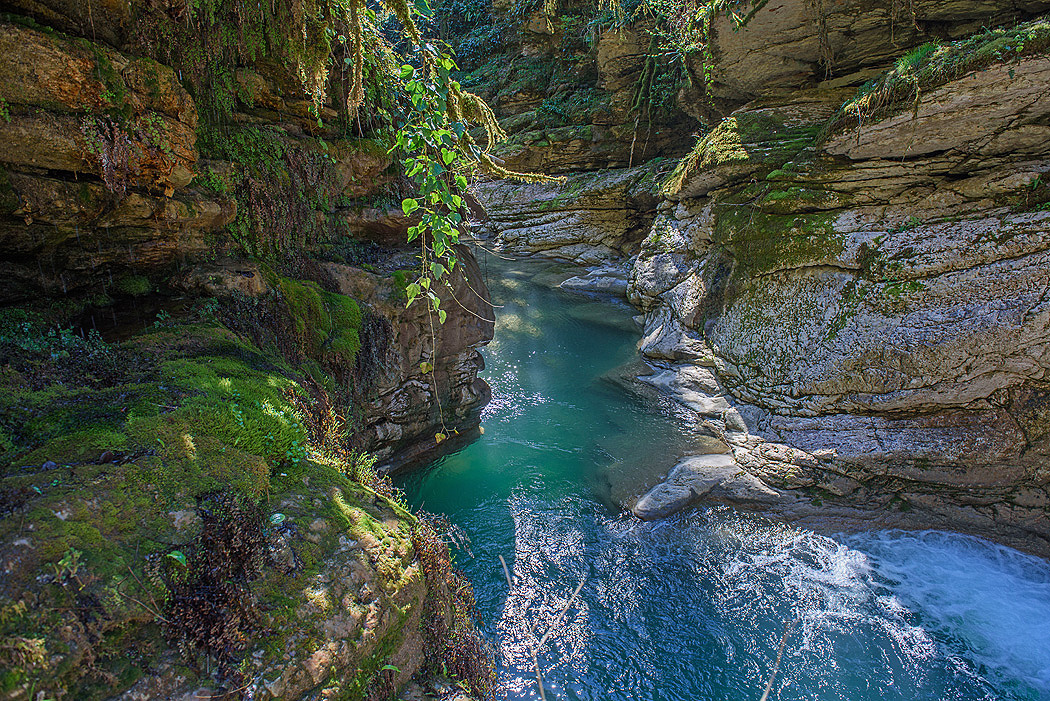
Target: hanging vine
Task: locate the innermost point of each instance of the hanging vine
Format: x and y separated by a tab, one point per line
407	88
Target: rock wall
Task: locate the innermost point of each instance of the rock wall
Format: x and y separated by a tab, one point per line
859	304
593	118
202	328
105	199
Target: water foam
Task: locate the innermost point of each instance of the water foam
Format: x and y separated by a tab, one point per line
992	603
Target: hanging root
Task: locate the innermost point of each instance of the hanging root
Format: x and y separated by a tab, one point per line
356	97
487	164
402	9
467	107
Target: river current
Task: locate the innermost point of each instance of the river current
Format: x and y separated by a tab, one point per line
695	607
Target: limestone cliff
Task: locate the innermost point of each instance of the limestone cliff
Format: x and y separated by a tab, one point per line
590	104
203	336
851	286
106	200
845	276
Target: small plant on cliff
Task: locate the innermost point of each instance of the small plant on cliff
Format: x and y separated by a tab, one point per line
932	65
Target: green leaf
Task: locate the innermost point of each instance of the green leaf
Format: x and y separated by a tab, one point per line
409	205
447	156
426	368
407	71
442	315
178	556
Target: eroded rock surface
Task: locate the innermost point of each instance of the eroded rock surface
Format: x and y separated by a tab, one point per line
862	310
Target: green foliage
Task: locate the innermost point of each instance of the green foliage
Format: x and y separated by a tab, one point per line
148	533
471	27
573	106
209	39
453	644
906	225
931	65
211	181
684	27
285	188
227	400
757	138
438	153
147	426
285	194
401	279
360	467
430	144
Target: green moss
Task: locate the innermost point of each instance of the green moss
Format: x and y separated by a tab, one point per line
114	95
762	242
285	188
760	139
401	279
241	407
197	411
346	324
81	446
329	322
212	181
134	285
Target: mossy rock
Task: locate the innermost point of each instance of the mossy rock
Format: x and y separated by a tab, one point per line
200	412
932	65
329	323
744	144
762	242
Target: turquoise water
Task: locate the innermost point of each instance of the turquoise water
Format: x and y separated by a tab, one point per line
694	608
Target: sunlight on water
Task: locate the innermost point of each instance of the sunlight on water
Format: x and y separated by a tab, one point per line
694	607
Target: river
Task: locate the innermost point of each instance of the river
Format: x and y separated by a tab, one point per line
695	607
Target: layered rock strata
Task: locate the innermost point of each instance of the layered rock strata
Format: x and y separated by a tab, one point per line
599	125
103	196
861	308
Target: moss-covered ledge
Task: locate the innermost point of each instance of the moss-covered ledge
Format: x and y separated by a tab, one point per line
173	517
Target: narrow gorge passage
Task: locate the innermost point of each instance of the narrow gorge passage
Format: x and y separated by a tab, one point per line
694	607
